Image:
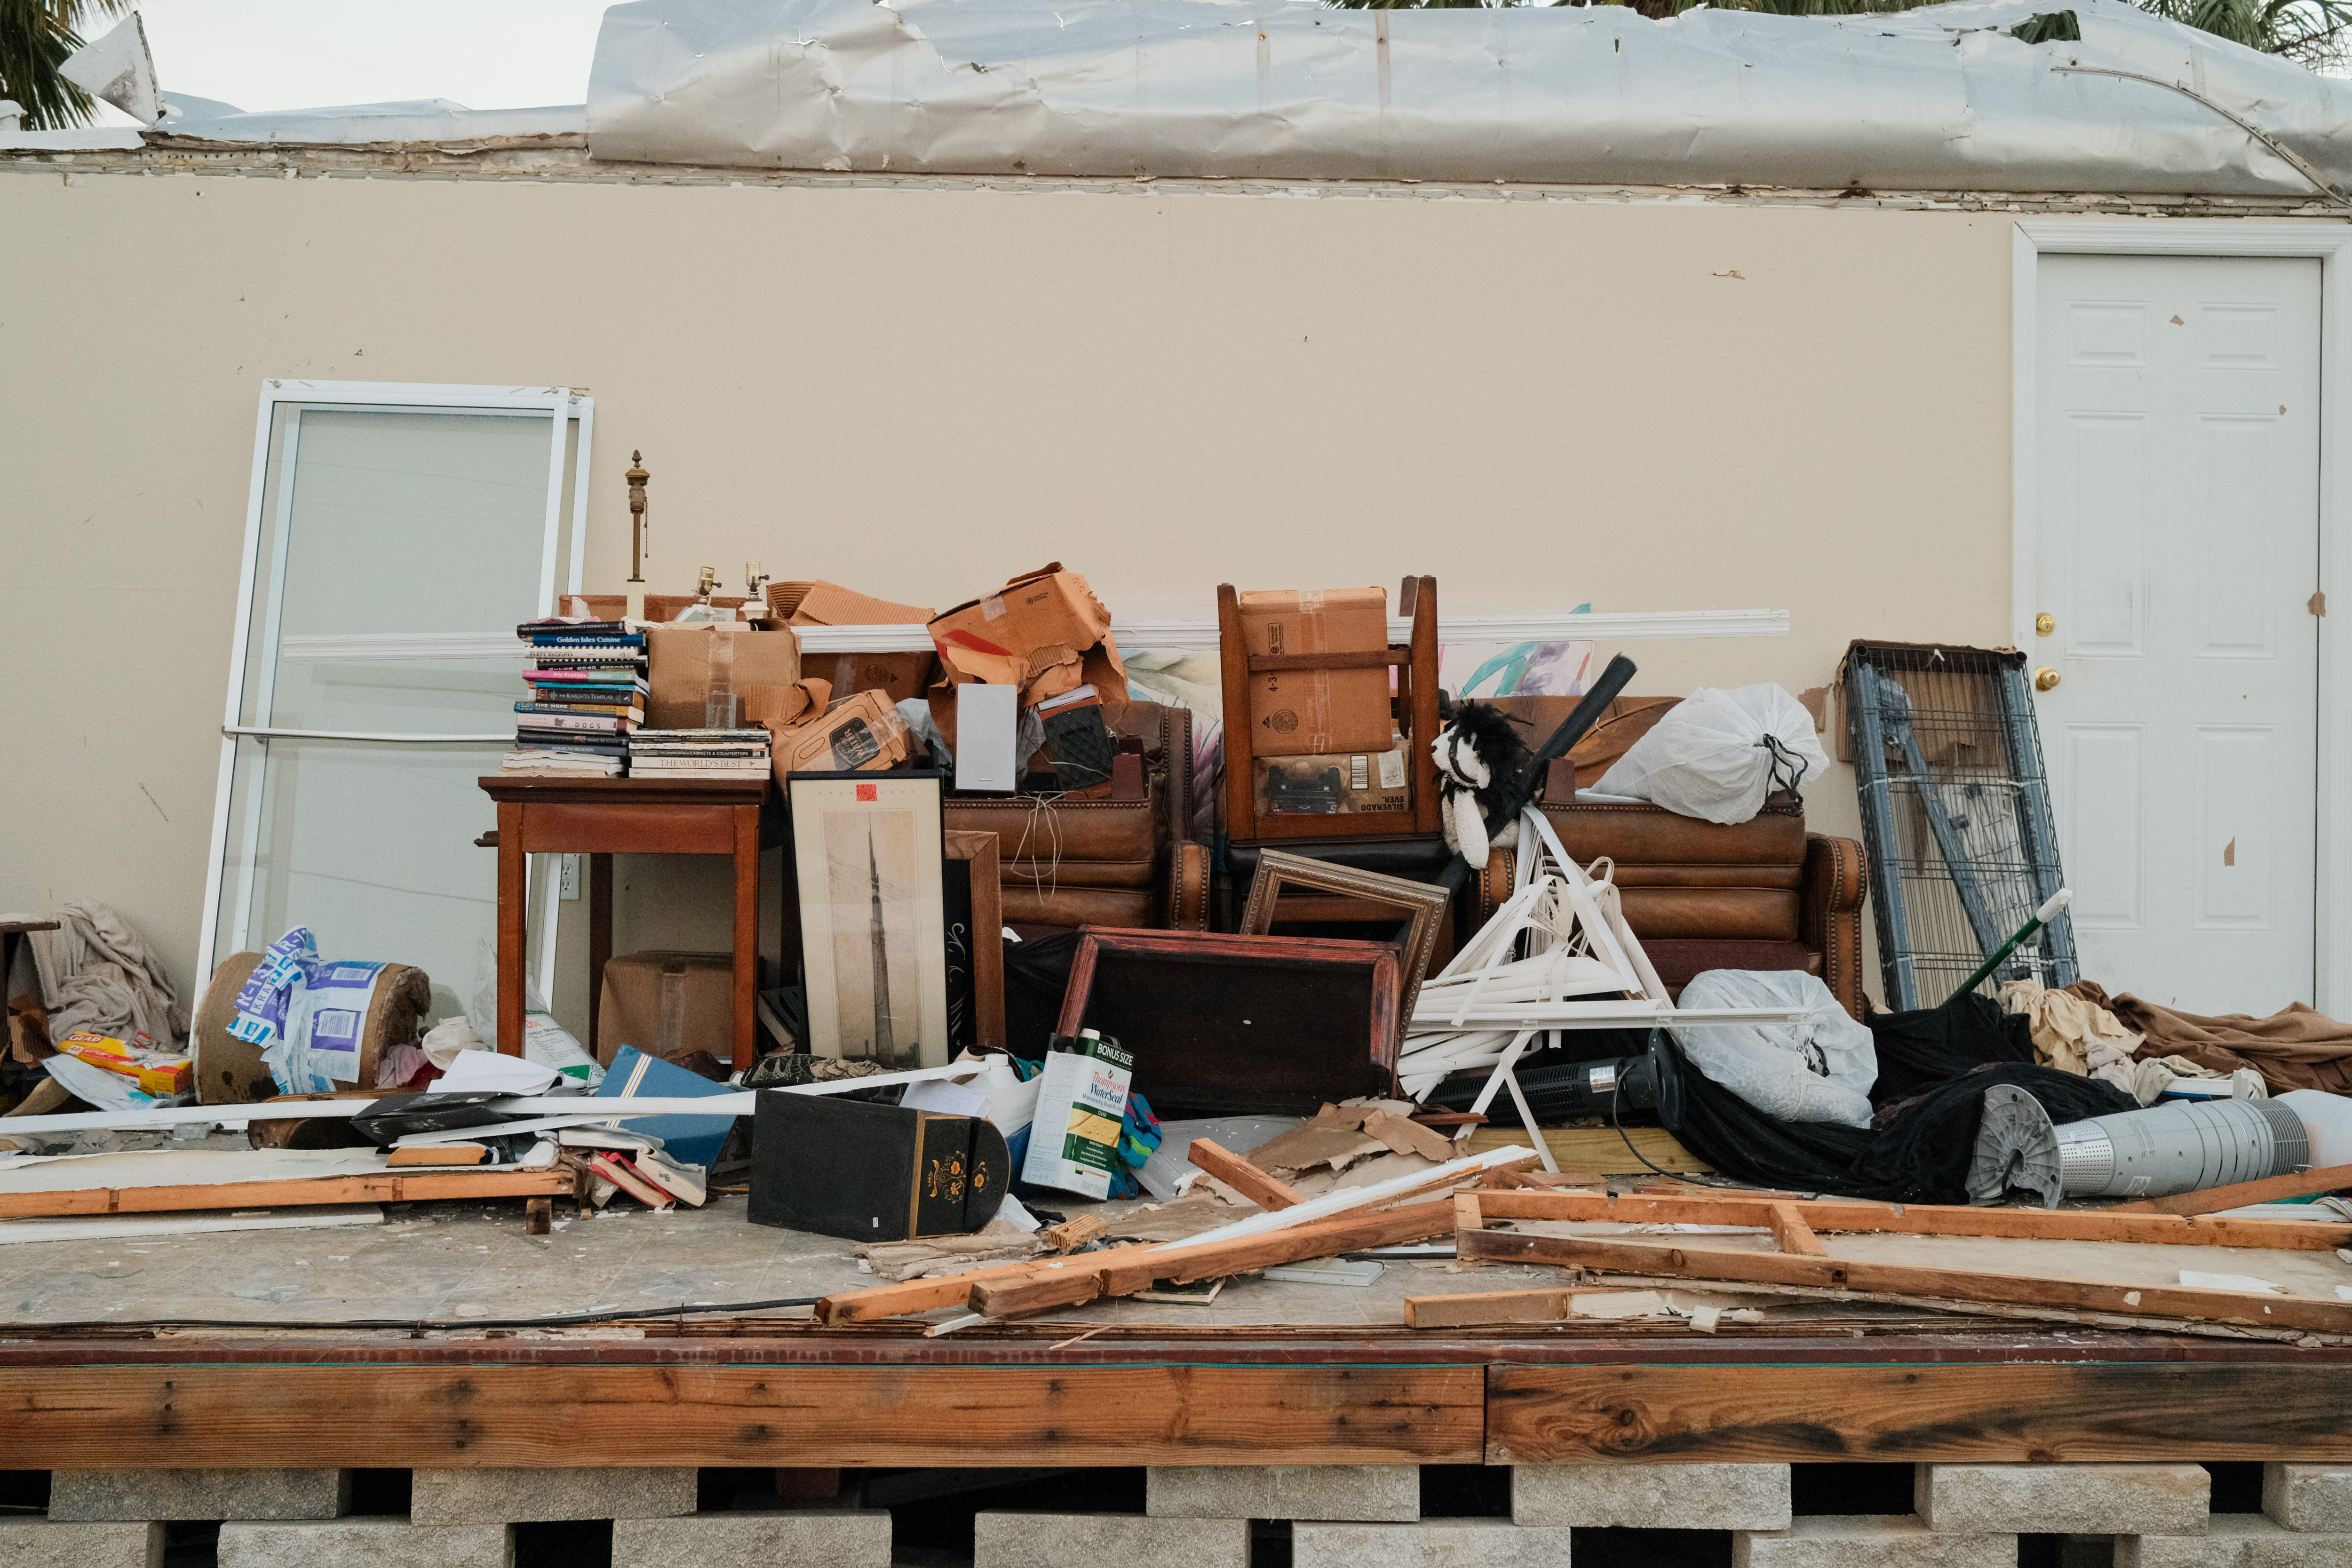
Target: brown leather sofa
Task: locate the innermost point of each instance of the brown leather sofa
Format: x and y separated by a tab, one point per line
1761	894
1119	858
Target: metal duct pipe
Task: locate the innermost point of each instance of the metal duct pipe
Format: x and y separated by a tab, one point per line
2149	1154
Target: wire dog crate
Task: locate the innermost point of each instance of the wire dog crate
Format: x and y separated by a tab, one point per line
1956	812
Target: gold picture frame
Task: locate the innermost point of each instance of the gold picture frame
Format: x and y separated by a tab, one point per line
1422	903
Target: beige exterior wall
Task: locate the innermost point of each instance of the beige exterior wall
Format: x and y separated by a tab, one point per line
917	391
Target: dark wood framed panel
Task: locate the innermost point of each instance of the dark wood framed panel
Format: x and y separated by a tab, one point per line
110	1416
2019	1413
1240	1024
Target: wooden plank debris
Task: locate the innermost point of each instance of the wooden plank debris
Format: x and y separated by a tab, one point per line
1790	1231
1241	1176
1122	1271
1920	1219
2270	1190
392	1187
2170	1301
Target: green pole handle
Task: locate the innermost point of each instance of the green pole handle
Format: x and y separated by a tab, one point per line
2041	917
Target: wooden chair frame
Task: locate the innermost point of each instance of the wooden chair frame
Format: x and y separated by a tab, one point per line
1415	662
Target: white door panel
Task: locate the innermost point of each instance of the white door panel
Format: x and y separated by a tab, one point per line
2177	427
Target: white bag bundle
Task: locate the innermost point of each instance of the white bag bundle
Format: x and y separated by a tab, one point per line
1719	753
1819	1068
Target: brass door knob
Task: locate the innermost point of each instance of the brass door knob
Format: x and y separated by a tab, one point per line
2045	679
2044	624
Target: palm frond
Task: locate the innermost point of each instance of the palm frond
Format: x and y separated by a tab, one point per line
35	37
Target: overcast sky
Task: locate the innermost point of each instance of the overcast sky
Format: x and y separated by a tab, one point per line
308	53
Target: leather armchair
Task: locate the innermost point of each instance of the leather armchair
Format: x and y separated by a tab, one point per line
1121	858
1762	894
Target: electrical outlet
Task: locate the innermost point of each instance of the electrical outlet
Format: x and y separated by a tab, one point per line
567	877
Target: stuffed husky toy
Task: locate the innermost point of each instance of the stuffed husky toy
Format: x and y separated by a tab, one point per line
1481	759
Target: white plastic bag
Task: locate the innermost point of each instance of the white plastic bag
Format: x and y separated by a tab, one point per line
544	1041
1819	1068
1717	754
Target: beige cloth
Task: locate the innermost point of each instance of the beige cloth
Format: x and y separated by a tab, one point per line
2295	1047
97	974
2070	1032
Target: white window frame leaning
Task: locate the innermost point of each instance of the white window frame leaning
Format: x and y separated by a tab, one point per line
563	407
2330	241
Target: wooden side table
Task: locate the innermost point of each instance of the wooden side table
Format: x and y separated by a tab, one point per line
605	817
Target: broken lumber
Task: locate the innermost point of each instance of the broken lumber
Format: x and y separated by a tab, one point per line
2271	1189
1791	1233
1074	1281
1478	1309
1241	1176
1921	1219
928	1295
1963	1285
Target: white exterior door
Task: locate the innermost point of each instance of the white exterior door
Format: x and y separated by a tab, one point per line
2177	461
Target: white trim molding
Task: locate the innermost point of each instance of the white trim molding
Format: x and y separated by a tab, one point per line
1201	637
2330	241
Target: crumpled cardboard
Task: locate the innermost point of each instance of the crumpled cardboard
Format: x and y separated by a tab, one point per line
993	638
774	708
819	604
1045	632
688	663
860	733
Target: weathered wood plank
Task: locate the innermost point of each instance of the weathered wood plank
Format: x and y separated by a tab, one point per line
2020	1412
1921	1219
440	1416
1241	1176
2188	1304
392	1187
2271	1189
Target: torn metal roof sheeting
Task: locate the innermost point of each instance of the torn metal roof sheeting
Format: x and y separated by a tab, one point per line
1942	98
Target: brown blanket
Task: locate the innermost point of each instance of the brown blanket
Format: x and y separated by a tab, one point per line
2292	1048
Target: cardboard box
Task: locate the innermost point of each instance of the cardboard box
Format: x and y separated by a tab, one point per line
998	639
902	675
666	1005
1304	713
688	663
1341	784
822	604
861	732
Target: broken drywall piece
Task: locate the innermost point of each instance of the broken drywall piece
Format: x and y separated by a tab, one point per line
119	69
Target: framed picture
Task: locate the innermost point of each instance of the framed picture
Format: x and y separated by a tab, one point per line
975	929
1420	904
1224	1025
867	861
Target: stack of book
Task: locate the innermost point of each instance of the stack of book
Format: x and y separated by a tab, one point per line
587	693
698	753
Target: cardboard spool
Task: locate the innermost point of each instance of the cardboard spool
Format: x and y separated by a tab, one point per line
230	1071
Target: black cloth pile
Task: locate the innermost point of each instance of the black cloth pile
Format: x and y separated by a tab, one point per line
1934	1066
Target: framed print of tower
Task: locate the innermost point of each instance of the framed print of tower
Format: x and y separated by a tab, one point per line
868	855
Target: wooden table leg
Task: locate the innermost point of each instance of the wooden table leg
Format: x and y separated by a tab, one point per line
599	939
514	898
747	930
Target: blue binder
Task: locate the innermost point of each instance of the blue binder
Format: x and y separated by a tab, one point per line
690	1140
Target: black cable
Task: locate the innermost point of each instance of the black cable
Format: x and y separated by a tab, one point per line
1692	1177
568	1319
